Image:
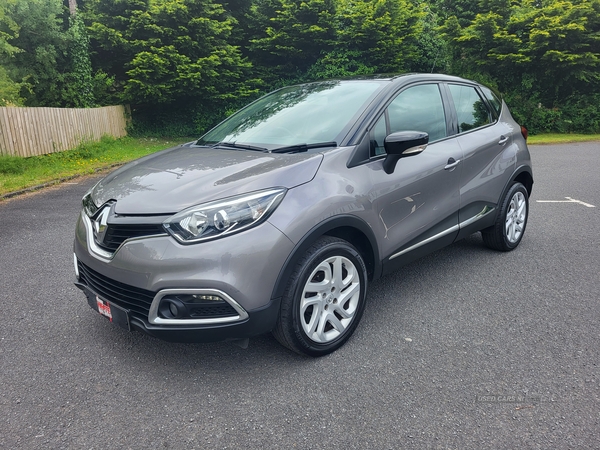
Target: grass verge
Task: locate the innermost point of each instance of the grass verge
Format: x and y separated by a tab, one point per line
20	173
555	138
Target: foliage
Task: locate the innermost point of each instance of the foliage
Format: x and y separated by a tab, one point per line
431	54
289	36
338	63
169	50
382	31
9	29
45	54
545	55
183	65
463	10
81	85
9	90
171	59
322	39
40	60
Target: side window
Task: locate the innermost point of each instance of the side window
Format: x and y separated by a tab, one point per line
493	99
470	109
419	108
378	134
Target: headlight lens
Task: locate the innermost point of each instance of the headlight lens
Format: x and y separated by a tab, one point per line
89	207
223	217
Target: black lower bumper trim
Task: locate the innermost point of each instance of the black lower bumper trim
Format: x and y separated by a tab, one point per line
259	321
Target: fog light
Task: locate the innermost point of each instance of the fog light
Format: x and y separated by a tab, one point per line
172	308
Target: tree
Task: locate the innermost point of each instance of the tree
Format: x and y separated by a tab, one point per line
463	10
44	55
9	29
288	36
432	53
383	32
9	90
545	55
81	81
187	53
372	36
173	60
41	62
554	45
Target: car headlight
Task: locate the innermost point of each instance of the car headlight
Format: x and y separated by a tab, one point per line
223	217
89	207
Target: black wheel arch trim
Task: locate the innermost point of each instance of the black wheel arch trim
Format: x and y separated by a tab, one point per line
373	264
519	171
516	174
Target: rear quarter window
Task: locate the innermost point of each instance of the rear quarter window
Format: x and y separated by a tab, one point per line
471	110
493	99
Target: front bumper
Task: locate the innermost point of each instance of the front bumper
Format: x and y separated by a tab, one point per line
242	269
256	322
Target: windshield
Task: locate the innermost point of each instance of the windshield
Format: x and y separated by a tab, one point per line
306	114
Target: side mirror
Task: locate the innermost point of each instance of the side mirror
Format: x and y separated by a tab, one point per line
401	145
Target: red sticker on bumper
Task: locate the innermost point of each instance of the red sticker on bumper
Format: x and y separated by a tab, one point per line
103	308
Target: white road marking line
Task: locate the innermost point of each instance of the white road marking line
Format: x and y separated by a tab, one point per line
568	200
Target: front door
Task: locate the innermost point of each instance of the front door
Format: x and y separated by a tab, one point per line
418	203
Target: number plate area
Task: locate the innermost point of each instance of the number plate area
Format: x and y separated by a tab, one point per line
112	312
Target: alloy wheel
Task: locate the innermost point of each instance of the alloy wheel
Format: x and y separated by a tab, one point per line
330	299
515	217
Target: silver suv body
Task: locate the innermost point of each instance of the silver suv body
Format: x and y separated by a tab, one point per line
277	219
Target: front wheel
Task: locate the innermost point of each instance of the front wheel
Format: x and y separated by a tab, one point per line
510	225
324	299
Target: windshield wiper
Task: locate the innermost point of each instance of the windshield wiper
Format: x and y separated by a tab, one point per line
240	146
303	147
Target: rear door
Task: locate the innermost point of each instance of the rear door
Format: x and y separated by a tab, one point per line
487	158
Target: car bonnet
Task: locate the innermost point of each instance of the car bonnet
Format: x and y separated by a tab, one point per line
183	176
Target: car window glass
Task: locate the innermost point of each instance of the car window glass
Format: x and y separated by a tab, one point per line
470	109
493	99
303	114
419	108
377	137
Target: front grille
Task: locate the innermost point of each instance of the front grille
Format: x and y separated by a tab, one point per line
117	234
134	299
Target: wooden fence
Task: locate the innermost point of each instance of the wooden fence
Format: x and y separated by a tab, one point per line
37	131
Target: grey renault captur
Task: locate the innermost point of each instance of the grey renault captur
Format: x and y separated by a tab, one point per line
278	218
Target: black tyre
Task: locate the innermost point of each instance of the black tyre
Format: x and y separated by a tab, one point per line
324	299
507	232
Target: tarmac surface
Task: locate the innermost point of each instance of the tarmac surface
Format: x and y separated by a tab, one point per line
465	349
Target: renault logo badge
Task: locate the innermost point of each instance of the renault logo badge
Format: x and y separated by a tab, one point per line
100	224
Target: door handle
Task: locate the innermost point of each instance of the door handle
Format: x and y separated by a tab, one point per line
503	140
452	163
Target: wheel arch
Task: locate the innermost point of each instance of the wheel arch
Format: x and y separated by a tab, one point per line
524	177
349	228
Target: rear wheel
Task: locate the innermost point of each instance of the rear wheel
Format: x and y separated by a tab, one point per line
324	299
507	232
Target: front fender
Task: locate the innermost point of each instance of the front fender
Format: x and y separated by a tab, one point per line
347	227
